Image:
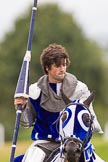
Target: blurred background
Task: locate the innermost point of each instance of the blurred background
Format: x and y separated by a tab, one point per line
80	26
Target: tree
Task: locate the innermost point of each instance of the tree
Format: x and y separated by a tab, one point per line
52	25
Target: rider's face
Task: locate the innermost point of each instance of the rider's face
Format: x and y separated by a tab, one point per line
56	73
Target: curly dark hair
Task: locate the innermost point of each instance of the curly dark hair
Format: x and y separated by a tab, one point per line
54	53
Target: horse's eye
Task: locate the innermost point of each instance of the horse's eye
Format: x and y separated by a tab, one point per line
86	119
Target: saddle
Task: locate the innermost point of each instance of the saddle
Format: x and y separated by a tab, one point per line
51	149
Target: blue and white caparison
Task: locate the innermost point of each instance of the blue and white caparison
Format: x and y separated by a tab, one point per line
77	133
78	125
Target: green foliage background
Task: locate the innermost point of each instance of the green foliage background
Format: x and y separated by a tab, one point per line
52	25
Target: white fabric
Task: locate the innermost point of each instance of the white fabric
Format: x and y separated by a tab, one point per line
34	154
59	88
81	91
34	91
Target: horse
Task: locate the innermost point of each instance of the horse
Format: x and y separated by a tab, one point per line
77	131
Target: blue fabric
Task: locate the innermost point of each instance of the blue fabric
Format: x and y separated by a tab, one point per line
45	126
18	158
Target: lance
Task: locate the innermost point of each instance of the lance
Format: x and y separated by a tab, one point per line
22	88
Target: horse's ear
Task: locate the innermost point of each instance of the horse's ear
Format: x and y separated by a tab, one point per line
90	99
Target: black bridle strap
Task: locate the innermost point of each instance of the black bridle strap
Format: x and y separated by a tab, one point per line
89	132
52	154
88	135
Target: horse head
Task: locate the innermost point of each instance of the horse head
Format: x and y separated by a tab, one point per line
77	128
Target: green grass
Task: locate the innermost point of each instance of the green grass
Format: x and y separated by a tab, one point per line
101	147
5	150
